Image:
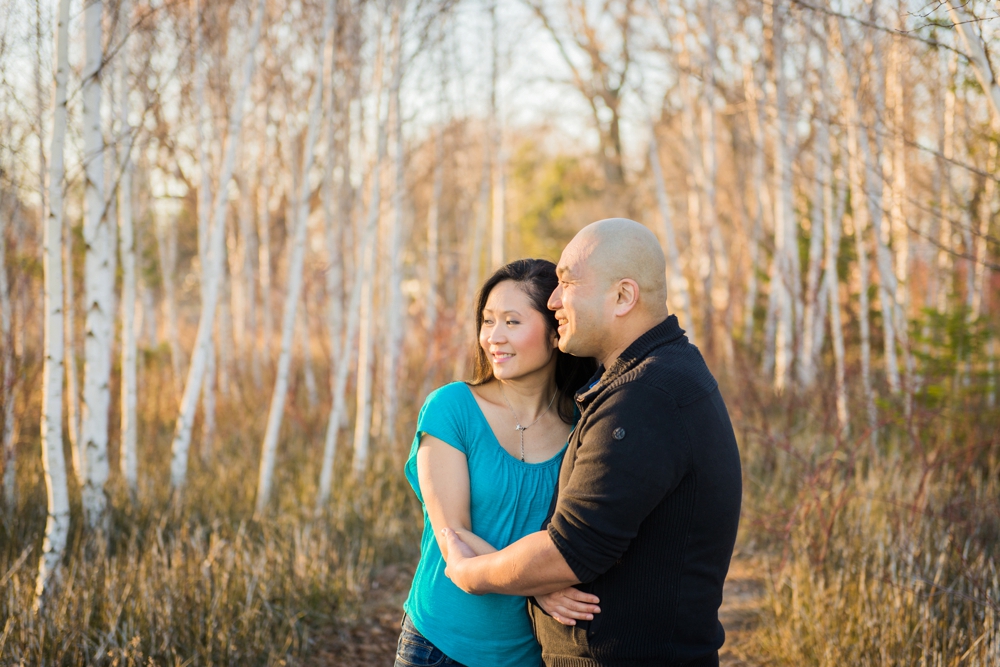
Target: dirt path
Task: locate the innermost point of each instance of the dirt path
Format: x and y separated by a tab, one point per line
369	638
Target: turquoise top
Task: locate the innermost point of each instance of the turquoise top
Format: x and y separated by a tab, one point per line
508	500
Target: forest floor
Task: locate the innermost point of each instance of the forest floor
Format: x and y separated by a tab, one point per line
367	637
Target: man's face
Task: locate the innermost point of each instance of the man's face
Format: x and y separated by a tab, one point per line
582	303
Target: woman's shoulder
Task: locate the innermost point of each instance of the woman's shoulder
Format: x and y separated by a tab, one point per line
452	398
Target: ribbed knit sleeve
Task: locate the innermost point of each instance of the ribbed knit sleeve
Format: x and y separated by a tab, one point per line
630	459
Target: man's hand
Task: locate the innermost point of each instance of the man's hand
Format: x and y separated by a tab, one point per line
459	553
569	605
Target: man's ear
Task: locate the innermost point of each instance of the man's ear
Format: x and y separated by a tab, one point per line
628	296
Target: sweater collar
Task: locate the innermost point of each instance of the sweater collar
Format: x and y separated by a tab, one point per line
663	333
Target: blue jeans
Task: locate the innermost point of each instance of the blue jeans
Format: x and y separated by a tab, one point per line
414	650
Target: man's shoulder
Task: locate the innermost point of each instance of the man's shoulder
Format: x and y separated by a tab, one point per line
677	370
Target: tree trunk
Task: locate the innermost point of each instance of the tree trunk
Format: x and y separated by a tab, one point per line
762	200
216	246
165	227
859	212
128	457
397	316
496	140
785	248
72	382
53	462
808	343
99	280
295	275
366	344
678	287
8	381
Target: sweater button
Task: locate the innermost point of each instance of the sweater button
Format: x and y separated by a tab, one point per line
618	433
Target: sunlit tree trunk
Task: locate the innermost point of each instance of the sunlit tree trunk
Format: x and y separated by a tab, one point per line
859	214
496	139
295	271
53	461
264	251
308	374
397	318
831	282
128	457
784	279
99	279
366	333
431	303
8	386
678	287
808	343
762	204
165	226
72	381
216	246
342	362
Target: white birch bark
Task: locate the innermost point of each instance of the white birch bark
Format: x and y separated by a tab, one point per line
762	203
396	313
784	235
678	287
8	386
475	265
366	333
128	457
99	279
72	381
808	348
860	210
496	137
165	228
975	51
295	270
53	461
831	283
332	232
431	304
216	247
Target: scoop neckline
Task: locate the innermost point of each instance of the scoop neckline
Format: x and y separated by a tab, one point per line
496	440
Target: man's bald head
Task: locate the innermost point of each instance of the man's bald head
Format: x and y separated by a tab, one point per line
612	288
619	248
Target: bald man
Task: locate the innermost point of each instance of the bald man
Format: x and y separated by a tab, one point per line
648	502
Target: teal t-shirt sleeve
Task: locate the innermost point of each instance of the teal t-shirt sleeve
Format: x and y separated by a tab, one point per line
442	417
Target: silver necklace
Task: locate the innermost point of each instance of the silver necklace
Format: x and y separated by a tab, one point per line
521	429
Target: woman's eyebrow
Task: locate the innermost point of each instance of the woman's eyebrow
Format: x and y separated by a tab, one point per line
503	312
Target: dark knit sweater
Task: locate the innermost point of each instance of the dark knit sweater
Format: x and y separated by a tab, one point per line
647	509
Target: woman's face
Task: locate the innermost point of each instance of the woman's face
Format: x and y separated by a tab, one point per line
514	335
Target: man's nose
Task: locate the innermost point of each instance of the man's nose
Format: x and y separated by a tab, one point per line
555	299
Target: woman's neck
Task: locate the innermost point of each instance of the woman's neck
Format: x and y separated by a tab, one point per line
529	396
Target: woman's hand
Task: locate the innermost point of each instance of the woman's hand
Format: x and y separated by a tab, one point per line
569	605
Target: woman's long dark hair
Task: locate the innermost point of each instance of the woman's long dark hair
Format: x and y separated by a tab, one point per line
537	278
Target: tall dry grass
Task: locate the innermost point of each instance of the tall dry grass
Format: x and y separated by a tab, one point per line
880	554
205	582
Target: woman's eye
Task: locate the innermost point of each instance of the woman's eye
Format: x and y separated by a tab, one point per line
510	322
487	321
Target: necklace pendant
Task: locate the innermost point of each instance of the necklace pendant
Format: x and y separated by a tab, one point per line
518	428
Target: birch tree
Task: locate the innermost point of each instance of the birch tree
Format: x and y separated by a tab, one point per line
395	313
366	370
8	424
128	455
99	278
295	269
213	269
53	461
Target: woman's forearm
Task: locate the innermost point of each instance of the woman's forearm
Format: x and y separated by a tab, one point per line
478	544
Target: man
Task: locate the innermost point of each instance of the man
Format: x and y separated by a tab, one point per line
649	492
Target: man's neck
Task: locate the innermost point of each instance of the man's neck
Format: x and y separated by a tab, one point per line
629	335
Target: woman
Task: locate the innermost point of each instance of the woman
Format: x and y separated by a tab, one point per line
484	462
